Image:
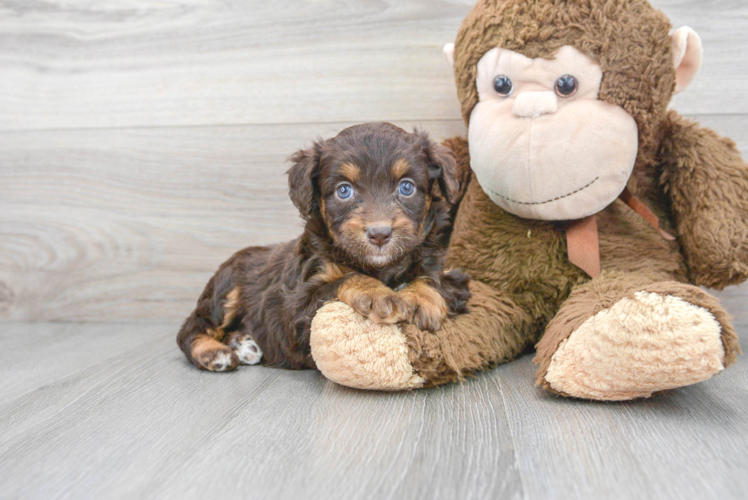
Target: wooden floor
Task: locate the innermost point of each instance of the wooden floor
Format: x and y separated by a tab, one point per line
115	411
142	142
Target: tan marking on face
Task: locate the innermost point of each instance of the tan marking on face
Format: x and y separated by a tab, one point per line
350	172
404	226
429	305
353	226
322	208
400	168
231	306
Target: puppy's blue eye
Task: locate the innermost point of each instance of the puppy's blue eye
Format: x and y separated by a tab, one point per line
345	191
407	188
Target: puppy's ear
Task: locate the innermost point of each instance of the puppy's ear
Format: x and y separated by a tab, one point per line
302	178
442	167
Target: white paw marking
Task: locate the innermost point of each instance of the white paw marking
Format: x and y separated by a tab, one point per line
249	352
222	362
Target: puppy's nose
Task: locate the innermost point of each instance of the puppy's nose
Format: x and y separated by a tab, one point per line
379	235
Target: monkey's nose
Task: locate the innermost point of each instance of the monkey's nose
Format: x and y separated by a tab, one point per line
379	235
534	104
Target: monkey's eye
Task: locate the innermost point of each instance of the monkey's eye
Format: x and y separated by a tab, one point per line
344	191
407	188
566	86
502	85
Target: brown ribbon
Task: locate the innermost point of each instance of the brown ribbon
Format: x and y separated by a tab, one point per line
582	241
583	246
641	209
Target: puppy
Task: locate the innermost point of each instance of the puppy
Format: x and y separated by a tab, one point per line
373	238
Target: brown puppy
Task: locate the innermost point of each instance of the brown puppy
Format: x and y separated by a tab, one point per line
374	238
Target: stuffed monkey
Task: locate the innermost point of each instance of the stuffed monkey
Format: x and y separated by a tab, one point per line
576	176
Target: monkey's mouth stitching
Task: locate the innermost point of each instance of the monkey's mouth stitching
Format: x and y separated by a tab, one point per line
546	201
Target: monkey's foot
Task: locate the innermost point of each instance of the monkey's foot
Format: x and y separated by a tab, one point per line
355	352
644	343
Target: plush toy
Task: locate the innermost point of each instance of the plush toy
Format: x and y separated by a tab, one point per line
576	177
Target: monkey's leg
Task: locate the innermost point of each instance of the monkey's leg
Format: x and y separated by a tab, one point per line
623	336
358	353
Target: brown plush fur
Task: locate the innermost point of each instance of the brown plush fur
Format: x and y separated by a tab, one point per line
706	181
693	180
272	293
469	342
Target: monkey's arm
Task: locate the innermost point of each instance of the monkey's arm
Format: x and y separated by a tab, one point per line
358	353
707	182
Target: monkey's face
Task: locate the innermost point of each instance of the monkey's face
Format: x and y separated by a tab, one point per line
542	145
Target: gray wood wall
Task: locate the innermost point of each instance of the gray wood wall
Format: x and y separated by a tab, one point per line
143	142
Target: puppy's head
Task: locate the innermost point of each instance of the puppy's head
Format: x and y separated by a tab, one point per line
370	186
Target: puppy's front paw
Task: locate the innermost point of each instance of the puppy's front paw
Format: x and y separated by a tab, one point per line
429	306
381	305
209	354
374	300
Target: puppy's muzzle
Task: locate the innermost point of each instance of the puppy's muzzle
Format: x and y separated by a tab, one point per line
379	235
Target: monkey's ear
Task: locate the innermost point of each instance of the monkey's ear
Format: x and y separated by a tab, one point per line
442	167
302	178
687	54
449	54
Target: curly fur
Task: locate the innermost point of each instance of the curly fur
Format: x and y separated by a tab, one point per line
272	293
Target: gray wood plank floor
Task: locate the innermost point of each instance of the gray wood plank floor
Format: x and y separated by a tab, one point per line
115	411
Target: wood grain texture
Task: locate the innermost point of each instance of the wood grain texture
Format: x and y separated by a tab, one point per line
146	424
149	425
68	348
114	225
130	224
131	63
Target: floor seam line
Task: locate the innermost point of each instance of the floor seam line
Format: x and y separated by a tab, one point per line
514	442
